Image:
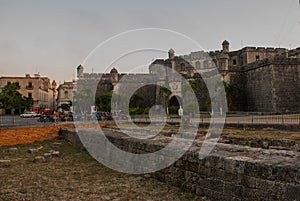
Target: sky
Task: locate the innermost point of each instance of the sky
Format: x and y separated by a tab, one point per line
54	37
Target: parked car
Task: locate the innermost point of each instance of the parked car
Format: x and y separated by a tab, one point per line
29	115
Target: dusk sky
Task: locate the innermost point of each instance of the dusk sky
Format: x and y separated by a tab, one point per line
54	37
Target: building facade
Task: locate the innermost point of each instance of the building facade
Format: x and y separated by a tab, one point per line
65	93
39	88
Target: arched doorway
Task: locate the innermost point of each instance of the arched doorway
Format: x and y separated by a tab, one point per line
174	103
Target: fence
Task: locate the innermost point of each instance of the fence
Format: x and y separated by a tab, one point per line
236	118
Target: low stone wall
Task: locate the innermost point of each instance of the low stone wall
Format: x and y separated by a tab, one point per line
266	143
230	172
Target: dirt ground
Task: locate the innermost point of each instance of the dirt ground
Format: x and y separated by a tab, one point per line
74	175
13	136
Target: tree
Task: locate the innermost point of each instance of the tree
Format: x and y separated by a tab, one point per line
136	101
164	92
27	102
103	101
186	90
66	106
11	99
83	100
232	93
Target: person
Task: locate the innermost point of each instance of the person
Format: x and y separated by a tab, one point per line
180	111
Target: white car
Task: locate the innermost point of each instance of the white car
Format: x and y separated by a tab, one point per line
29	114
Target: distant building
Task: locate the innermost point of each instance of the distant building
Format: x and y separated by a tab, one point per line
65	93
39	88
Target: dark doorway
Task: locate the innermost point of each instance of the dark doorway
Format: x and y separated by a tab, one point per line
174	103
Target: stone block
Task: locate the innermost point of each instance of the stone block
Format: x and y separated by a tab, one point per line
5	163
192	166
13	150
258	170
293	192
55	153
39	159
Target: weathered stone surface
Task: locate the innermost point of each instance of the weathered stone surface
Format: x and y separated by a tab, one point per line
55	153
47	155
32	151
13	150
39	159
56	144
35	150
5	163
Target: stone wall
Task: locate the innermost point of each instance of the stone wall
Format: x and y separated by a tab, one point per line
286	85
258	88
230	172
273	85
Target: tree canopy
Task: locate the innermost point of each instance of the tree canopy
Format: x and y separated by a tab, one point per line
10	98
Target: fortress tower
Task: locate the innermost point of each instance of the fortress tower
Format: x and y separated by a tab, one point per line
80	71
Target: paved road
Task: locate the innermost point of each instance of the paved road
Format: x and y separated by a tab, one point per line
17	121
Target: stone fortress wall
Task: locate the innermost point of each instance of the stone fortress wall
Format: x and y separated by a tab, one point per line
268	78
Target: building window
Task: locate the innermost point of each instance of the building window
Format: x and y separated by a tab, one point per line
234	61
206	64
66	94
182	67
8	83
257	57
29	86
29	95
198	65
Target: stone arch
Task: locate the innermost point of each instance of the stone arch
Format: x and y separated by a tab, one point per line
174	104
175	100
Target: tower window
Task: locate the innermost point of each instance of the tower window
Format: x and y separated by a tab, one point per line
234	61
66	94
182	66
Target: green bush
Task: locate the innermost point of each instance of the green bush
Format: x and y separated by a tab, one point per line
173	109
191	108
136	110
146	110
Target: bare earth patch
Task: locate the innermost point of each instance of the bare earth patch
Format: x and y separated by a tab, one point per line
13	136
74	175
